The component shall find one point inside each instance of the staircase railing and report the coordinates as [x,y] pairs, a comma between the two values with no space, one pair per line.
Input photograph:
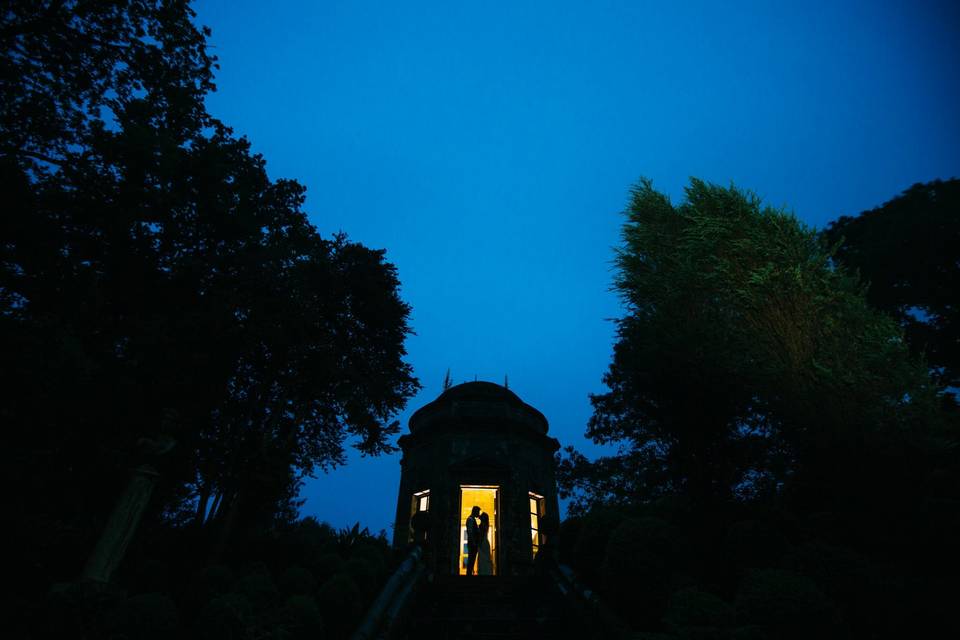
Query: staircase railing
[383,616]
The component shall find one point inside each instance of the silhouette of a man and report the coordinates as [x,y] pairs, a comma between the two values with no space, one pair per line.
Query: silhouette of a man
[473,539]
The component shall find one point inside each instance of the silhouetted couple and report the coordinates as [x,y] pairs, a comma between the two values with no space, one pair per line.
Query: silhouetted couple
[478,546]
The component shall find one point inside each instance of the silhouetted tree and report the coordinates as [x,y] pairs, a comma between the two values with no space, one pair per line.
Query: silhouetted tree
[68,65]
[744,356]
[908,251]
[783,467]
[154,282]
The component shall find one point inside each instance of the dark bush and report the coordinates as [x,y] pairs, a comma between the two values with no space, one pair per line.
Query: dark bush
[259,589]
[636,570]
[589,550]
[339,600]
[689,608]
[570,530]
[326,565]
[146,616]
[297,581]
[304,541]
[364,573]
[754,543]
[784,603]
[75,610]
[374,554]
[224,618]
[207,584]
[749,633]
[302,617]
[151,575]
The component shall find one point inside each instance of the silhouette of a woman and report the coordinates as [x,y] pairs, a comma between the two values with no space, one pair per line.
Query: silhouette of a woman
[484,562]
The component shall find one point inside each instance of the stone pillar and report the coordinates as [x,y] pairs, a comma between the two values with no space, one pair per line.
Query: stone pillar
[121,526]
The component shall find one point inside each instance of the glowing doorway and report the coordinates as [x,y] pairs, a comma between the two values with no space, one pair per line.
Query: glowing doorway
[487,498]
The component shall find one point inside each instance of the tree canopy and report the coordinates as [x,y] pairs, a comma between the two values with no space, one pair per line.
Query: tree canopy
[782,465]
[156,286]
[908,252]
[68,66]
[745,356]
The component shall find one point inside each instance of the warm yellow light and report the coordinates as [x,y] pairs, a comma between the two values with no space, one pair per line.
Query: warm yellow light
[536,510]
[484,497]
[420,502]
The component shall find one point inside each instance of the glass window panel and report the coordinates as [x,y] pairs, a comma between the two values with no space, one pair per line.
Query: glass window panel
[423,503]
[533,521]
[536,537]
[533,505]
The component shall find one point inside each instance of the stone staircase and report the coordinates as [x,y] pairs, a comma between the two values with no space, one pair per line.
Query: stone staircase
[491,607]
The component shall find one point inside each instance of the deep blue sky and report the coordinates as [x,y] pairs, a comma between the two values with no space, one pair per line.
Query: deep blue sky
[490,146]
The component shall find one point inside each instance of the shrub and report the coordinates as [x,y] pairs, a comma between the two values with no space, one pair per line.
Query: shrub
[297,581]
[694,608]
[326,565]
[259,590]
[755,544]
[207,584]
[590,548]
[570,530]
[225,617]
[147,616]
[339,600]
[302,617]
[635,569]
[375,555]
[783,602]
[364,574]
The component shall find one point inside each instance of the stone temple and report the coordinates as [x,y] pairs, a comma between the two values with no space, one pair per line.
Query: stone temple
[478,444]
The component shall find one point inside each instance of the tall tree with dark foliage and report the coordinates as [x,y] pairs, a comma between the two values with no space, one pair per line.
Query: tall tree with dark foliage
[908,252]
[156,286]
[783,467]
[745,355]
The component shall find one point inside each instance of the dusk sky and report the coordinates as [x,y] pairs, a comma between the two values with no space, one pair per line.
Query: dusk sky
[489,147]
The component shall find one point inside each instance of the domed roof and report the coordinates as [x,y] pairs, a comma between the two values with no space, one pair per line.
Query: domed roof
[478,400]
[480,390]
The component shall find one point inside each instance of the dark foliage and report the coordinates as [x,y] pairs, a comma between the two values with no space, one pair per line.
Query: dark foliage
[163,301]
[784,467]
[277,587]
[908,251]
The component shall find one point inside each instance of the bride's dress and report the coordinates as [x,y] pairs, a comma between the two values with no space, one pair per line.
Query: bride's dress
[484,562]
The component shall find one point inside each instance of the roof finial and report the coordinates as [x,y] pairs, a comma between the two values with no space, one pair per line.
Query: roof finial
[447,382]
[506,382]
